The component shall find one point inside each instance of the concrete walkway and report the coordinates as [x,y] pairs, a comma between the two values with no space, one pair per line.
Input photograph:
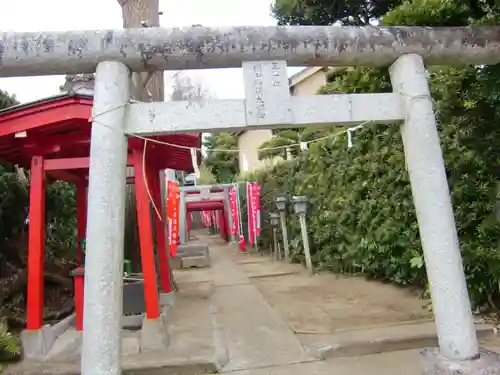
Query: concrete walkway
[263,336]
[256,335]
[248,315]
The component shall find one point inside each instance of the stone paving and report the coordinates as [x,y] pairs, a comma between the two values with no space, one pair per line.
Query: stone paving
[321,324]
[248,315]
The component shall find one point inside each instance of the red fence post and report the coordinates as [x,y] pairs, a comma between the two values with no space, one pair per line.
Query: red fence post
[161,238]
[79,281]
[36,246]
[146,238]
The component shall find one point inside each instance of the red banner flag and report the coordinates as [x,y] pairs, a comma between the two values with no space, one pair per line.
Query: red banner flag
[234,211]
[253,203]
[256,207]
[251,223]
[173,198]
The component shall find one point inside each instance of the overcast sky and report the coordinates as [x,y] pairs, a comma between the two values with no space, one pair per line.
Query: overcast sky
[60,15]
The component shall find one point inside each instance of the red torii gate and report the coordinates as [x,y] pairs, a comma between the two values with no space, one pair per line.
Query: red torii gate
[51,137]
[211,205]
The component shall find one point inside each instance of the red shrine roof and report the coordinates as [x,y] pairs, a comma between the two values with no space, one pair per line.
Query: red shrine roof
[58,127]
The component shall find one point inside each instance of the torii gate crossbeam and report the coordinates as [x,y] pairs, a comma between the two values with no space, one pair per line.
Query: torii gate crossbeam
[263,52]
[150,49]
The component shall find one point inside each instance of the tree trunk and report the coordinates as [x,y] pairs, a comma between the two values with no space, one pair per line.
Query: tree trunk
[17,283]
[135,13]
[145,87]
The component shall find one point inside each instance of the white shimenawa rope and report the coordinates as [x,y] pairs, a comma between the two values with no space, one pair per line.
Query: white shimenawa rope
[301,144]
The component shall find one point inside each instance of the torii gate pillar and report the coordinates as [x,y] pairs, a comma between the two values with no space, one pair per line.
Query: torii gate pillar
[101,348]
[458,348]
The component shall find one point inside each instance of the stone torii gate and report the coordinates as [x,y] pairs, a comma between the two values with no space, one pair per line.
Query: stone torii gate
[200,193]
[113,54]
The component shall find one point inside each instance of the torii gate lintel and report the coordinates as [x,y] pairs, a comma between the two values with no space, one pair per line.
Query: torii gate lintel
[150,49]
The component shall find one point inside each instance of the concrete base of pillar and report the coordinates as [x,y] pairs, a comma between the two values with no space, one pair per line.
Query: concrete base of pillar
[194,255]
[176,262]
[132,321]
[193,248]
[37,344]
[167,299]
[433,363]
[67,347]
[154,335]
[195,261]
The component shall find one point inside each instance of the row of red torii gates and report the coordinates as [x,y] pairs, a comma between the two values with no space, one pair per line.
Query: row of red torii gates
[51,137]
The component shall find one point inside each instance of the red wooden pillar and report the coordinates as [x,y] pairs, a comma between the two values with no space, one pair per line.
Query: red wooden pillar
[223,227]
[79,280]
[36,246]
[146,238]
[161,239]
[225,219]
[220,214]
[81,214]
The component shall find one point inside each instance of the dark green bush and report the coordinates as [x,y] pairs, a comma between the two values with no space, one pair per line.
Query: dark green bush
[362,219]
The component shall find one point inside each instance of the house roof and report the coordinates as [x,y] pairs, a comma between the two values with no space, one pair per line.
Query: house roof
[34,103]
[303,74]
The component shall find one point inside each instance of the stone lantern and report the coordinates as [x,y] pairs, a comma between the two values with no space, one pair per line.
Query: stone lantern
[275,221]
[281,203]
[300,205]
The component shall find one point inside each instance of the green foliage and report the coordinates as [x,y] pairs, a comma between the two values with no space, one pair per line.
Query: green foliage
[12,215]
[223,165]
[279,143]
[7,100]
[9,347]
[443,13]
[60,214]
[288,141]
[206,177]
[429,13]
[13,203]
[329,12]
[62,221]
[14,209]
[362,219]
[8,344]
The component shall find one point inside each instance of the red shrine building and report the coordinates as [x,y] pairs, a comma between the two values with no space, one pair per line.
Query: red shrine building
[51,138]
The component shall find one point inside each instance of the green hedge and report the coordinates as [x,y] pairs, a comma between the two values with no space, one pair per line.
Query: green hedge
[362,219]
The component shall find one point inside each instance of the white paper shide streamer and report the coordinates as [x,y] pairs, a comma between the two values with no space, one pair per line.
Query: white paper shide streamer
[349,138]
[194,160]
[244,161]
